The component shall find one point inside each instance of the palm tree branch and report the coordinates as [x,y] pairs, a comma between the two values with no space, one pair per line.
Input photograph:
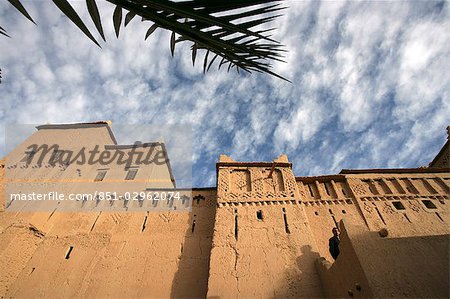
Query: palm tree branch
[222,27]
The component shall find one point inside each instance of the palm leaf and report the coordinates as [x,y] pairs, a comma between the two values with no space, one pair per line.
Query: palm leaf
[225,28]
[117,19]
[151,30]
[172,43]
[215,32]
[130,15]
[194,53]
[3,32]
[68,10]
[95,15]
[19,7]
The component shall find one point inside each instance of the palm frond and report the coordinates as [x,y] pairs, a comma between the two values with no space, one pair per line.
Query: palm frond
[3,32]
[23,11]
[226,28]
[68,10]
[95,15]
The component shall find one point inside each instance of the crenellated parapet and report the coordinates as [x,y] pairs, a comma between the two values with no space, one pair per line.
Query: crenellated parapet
[255,181]
[408,201]
[327,188]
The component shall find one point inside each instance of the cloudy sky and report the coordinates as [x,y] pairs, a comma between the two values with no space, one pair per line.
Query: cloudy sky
[370,85]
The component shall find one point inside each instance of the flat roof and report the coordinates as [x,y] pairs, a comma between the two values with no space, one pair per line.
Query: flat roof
[395,170]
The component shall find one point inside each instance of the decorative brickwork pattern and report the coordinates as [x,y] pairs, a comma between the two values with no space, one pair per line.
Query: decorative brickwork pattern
[240,181]
[414,206]
[358,187]
[223,181]
[257,180]
[290,184]
[367,208]
[388,208]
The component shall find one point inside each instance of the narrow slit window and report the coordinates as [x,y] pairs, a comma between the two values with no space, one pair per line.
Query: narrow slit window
[379,214]
[439,216]
[286,225]
[144,224]
[69,251]
[193,224]
[236,224]
[100,176]
[131,174]
[259,215]
[407,218]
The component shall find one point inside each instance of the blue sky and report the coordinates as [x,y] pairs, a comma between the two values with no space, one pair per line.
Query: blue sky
[370,85]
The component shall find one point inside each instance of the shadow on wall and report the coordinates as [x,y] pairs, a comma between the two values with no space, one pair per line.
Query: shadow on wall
[301,280]
[374,265]
[345,277]
[191,278]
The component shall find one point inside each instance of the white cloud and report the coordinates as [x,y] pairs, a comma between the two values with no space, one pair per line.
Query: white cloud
[370,84]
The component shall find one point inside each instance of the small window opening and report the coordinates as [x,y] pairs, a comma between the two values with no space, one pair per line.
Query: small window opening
[69,251]
[131,174]
[286,225]
[100,176]
[259,215]
[429,204]
[398,205]
[316,213]
[236,224]
[144,224]
[193,225]
[344,212]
